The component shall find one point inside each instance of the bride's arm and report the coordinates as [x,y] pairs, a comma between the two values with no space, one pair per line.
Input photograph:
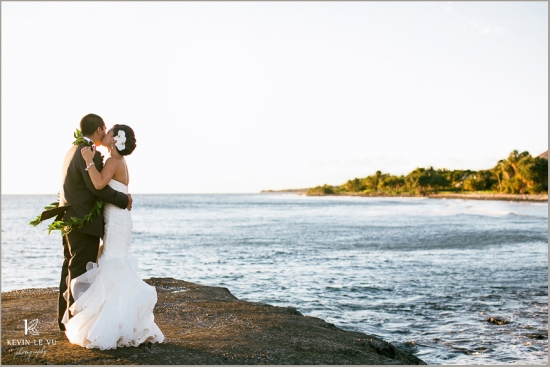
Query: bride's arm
[99,179]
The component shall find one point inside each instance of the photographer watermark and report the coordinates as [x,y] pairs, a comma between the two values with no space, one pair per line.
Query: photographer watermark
[25,345]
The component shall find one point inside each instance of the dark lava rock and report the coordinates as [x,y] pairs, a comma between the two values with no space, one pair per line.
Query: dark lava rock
[540,335]
[497,320]
[201,325]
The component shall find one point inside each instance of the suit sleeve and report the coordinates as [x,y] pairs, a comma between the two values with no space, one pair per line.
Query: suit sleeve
[107,193]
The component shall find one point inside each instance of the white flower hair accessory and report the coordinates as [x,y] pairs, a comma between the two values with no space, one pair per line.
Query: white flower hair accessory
[120,140]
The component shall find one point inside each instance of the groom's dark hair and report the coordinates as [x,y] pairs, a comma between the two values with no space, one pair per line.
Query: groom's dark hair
[90,123]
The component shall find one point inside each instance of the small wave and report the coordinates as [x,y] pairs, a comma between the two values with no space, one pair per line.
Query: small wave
[357,289]
[485,211]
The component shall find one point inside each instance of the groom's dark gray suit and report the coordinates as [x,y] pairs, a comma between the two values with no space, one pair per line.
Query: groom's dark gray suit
[81,245]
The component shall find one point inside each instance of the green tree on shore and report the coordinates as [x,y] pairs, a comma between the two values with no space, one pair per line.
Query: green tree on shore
[354,185]
[521,173]
[421,180]
[320,190]
[518,174]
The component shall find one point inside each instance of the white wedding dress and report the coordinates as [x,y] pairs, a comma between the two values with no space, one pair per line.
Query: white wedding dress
[113,306]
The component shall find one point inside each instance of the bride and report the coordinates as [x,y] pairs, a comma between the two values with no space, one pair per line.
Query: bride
[113,306]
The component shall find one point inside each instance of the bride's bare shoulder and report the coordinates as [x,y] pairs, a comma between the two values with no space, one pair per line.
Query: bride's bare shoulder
[118,166]
[114,162]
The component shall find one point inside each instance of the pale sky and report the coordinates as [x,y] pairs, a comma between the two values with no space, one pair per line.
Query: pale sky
[235,97]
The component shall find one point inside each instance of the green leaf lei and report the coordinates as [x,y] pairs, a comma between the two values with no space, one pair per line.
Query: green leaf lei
[80,138]
[73,222]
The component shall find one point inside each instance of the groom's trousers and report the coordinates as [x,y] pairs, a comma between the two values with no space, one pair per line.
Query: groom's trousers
[78,249]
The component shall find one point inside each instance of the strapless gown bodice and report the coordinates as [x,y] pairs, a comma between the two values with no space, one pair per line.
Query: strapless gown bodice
[118,186]
[118,227]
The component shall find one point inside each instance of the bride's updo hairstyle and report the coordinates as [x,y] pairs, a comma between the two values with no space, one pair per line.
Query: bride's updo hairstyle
[130,144]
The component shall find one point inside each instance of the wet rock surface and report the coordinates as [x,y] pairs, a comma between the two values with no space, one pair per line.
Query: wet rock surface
[497,320]
[201,325]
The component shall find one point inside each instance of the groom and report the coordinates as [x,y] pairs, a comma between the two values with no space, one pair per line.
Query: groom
[78,193]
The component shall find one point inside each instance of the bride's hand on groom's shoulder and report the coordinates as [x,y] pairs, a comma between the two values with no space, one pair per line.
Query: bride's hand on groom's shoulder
[88,153]
[129,207]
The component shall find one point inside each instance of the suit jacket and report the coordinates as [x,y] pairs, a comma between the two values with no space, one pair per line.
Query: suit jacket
[79,194]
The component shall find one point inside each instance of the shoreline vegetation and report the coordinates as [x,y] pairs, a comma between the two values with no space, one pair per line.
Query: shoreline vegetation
[520,177]
[202,325]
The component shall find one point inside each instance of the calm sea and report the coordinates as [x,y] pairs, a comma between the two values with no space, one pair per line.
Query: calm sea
[423,274]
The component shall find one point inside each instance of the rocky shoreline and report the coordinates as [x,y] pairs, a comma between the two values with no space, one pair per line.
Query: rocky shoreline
[505,197]
[469,196]
[201,325]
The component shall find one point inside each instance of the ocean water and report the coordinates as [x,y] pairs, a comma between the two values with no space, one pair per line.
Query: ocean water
[423,274]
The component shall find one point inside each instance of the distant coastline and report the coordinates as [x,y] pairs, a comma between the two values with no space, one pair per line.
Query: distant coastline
[468,196]
[520,177]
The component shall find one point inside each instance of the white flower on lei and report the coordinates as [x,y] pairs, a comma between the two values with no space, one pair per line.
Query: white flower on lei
[120,140]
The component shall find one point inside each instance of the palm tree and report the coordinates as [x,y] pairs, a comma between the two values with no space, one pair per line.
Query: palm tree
[514,159]
[503,170]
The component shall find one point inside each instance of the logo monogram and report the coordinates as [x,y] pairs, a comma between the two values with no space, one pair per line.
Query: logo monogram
[31,327]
